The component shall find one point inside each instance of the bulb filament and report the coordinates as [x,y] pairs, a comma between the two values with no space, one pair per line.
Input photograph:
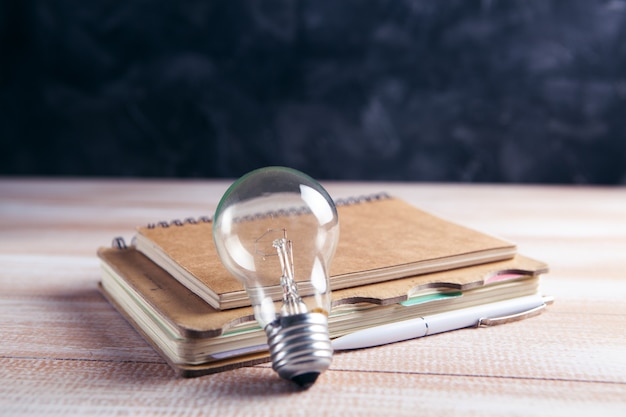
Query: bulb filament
[292,302]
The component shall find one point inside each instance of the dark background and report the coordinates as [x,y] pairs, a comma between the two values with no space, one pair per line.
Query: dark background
[486,91]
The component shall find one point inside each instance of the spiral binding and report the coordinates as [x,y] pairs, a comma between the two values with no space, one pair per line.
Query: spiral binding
[349,201]
[362,199]
[119,243]
[178,222]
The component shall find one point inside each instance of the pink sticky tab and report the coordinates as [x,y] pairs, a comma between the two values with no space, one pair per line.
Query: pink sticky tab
[505,276]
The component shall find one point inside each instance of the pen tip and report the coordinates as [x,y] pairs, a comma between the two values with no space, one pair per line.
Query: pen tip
[305,380]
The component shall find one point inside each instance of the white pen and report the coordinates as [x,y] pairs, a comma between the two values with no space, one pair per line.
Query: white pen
[492,313]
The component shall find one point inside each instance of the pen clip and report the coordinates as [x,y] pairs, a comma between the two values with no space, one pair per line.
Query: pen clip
[489,322]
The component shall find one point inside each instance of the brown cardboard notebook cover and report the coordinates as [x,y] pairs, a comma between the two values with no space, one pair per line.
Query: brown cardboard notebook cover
[380,240]
[189,370]
[189,333]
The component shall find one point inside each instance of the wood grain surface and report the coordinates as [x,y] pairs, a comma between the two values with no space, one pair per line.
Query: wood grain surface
[65,351]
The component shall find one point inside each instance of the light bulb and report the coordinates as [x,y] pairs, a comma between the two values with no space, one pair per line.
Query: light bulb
[276,230]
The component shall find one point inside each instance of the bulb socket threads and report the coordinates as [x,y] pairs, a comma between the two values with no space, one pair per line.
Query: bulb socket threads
[300,347]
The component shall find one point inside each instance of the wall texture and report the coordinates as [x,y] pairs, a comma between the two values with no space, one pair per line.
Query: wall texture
[451,90]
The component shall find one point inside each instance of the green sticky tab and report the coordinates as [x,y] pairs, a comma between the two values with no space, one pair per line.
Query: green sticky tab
[430,297]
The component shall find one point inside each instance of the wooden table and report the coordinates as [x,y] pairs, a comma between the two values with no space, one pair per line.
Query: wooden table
[65,351]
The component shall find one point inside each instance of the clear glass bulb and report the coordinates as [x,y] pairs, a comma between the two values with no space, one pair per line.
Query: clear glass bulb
[276,230]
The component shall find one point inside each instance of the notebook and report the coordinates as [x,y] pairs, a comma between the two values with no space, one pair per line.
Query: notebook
[381,238]
[197,339]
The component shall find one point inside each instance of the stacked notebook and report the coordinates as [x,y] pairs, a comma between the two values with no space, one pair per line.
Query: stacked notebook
[393,262]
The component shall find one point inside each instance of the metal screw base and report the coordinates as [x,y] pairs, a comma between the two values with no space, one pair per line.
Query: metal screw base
[300,347]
